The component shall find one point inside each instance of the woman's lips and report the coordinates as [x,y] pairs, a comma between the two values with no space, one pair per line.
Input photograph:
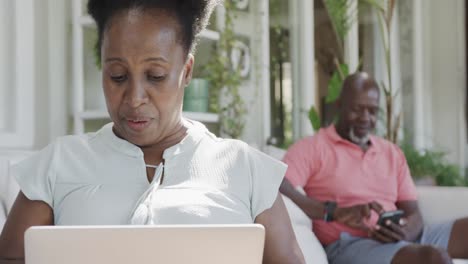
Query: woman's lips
[138,124]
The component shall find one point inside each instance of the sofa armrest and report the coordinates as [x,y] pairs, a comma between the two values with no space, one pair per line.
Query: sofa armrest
[2,217]
[302,225]
[8,190]
[440,204]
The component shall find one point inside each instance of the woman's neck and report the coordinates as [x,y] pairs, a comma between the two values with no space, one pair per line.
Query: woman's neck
[153,153]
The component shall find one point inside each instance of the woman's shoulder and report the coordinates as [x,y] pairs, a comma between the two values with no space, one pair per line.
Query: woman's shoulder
[74,145]
[75,141]
[225,144]
[213,141]
[239,149]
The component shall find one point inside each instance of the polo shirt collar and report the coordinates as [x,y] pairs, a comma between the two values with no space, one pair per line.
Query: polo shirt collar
[336,138]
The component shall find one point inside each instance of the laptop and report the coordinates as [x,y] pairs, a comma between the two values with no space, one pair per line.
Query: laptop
[178,244]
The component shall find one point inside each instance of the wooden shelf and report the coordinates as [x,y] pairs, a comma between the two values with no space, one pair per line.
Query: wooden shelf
[210,35]
[87,21]
[200,117]
[94,115]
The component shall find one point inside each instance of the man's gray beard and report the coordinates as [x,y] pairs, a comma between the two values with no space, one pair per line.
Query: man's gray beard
[357,140]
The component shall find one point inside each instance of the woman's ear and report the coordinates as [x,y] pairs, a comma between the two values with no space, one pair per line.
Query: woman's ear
[188,69]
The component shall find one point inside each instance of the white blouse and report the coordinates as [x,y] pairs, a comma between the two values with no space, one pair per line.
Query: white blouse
[100,179]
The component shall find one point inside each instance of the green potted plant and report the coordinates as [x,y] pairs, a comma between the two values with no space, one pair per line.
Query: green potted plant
[430,168]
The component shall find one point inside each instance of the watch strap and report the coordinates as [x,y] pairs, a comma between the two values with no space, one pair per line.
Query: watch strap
[329,209]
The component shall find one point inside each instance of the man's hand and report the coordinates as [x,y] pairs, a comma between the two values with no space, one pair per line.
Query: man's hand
[390,232]
[354,216]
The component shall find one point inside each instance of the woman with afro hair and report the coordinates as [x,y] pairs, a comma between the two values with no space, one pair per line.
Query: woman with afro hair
[150,165]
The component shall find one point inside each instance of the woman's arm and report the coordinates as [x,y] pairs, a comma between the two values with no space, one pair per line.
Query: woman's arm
[280,242]
[24,214]
[314,209]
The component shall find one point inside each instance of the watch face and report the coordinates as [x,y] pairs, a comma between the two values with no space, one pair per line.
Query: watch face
[329,210]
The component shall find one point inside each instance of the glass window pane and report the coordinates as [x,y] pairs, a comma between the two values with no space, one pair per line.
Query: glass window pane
[281,81]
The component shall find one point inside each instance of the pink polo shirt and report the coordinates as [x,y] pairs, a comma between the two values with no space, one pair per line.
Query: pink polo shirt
[329,167]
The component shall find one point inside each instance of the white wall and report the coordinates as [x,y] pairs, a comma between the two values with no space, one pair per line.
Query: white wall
[52,24]
[445,71]
[6,82]
[42,78]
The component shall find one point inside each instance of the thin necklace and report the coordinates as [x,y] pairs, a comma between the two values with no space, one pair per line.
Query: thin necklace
[152,166]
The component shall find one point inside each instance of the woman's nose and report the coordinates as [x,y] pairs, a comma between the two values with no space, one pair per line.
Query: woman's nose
[136,94]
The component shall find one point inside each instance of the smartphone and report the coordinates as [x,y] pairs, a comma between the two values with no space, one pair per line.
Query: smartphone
[393,216]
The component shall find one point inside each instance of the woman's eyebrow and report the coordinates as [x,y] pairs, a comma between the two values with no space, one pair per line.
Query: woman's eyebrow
[156,59]
[151,59]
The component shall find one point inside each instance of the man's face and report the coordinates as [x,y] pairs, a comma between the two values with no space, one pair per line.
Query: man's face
[359,114]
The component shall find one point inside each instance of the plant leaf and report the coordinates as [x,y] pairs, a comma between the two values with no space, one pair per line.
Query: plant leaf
[340,16]
[314,118]
[336,83]
[378,4]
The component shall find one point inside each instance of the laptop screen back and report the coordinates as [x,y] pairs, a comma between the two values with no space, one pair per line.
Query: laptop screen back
[212,244]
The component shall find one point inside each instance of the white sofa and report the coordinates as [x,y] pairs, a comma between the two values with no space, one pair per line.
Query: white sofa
[8,191]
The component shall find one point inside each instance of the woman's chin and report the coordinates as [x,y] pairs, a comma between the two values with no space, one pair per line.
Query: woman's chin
[139,141]
[137,134]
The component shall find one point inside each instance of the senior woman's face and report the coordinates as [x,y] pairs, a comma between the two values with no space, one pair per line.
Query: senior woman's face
[145,71]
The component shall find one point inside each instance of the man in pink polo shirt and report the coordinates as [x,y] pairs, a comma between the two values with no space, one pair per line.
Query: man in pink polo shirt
[351,176]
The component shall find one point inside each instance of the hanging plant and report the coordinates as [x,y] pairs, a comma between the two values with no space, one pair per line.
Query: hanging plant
[226,80]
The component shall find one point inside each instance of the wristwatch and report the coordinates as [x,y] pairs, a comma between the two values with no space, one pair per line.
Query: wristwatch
[329,209]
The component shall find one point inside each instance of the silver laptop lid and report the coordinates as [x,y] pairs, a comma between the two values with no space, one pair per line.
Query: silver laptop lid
[199,244]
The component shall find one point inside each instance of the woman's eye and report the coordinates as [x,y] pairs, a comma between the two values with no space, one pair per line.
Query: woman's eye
[118,78]
[156,78]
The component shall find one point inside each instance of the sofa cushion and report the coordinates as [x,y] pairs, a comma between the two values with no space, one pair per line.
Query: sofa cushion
[440,204]
[8,187]
[2,216]
[302,226]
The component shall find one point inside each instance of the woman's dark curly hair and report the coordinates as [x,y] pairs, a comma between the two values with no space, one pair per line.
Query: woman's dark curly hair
[192,15]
